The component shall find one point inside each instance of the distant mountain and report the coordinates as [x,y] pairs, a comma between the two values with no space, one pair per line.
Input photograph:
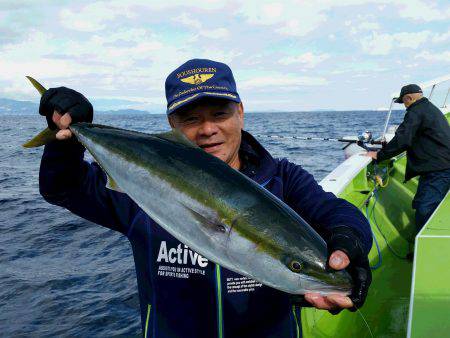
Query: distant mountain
[124,111]
[8,106]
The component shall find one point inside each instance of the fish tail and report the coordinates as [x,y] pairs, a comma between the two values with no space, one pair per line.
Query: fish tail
[46,135]
[40,88]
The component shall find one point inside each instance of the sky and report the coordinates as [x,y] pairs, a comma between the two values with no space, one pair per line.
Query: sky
[285,55]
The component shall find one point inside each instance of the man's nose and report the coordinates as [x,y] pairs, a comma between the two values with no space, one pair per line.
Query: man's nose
[208,128]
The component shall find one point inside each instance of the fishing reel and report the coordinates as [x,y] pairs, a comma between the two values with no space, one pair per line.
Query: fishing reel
[366,141]
[365,137]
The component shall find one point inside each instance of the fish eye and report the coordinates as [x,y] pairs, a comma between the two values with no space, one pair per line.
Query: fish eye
[221,228]
[295,266]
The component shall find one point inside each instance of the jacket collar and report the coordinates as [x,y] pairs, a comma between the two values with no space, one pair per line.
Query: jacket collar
[258,164]
[419,101]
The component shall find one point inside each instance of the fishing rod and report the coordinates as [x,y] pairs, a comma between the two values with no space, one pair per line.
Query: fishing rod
[308,138]
[363,140]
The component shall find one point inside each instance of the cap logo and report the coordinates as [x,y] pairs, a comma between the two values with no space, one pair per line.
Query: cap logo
[197,78]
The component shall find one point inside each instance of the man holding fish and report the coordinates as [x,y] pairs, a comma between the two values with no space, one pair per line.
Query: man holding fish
[216,254]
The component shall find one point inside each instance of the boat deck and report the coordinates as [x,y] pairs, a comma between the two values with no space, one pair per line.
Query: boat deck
[409,295]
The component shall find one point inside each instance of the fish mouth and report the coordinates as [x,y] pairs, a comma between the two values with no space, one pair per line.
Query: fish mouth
[324,288]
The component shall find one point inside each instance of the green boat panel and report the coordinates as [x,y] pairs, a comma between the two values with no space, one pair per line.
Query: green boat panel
[380,192]
[430,295]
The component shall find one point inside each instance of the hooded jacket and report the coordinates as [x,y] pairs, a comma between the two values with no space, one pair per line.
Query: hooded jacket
[181,293]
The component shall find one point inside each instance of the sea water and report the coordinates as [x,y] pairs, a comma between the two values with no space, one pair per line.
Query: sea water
[61,275]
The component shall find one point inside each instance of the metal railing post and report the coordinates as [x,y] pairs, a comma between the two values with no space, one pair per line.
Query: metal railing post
[383,136]
[431,92]
[445,100]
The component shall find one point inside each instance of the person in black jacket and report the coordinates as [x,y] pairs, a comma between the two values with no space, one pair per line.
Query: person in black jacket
[183,294]
[425,136]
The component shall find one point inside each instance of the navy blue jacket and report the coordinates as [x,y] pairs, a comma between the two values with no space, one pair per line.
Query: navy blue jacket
[182,294]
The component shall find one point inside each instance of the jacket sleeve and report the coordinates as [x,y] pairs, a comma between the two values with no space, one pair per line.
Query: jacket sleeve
[65,179]
[404,136]
[322,210]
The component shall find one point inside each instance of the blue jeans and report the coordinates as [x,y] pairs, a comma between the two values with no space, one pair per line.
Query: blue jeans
[431,191]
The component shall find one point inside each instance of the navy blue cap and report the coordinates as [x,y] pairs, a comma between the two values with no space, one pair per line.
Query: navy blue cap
[199,78]
[408,89]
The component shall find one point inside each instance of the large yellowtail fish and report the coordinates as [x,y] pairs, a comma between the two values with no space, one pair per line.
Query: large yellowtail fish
[212,208]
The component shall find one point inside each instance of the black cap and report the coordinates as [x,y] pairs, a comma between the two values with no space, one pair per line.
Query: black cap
[408,89]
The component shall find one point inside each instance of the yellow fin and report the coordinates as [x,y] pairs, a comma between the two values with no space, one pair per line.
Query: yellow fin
[44,137]
[40,88]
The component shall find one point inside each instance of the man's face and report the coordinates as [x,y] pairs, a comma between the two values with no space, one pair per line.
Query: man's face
[215,126]
[407,100]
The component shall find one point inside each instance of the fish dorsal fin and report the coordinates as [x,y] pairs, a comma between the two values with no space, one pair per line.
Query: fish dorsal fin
[111,184]
[176,136]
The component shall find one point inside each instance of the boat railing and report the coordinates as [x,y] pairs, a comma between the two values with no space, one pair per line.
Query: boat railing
[433,84]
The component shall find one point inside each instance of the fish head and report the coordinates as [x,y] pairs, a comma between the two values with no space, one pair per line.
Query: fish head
[309,272]
[290,257]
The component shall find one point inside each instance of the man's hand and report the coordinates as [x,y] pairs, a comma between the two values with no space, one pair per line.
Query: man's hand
[372,154]
[62,122]
[338,261]
[346,252]
[61,106]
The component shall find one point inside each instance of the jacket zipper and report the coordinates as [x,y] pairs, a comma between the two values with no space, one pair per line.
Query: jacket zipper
[149,309]
[219,302]
[297,327]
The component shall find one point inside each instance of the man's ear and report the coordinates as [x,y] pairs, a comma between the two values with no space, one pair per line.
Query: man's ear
[241,114]
[170,119]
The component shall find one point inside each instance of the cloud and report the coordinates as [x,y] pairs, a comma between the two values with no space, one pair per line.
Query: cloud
[293,18]
[421,11]
[262,13]
[188,21]
[369,26]
[308,60]
[377,44]
[218,33]
[195,24]
[361,23]
[226,56]
[92,17]
[382,44]
[438,38]
[435,57]
[289,82]
[299,18]
[125,49]
[302,26]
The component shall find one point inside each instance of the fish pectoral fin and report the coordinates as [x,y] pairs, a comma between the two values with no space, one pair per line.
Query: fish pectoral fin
[210,224]
[44,137]
[176,136]
[111,184]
